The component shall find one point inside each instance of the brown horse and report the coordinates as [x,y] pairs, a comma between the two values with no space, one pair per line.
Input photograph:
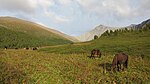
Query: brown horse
[120,58]
[95,52]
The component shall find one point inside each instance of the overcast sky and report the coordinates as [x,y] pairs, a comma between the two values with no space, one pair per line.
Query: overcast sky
[75,17]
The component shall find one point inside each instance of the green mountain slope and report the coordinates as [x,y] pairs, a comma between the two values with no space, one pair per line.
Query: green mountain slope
[20,33]
[134,42]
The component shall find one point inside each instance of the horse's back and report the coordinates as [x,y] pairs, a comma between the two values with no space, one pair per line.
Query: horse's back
[122,57]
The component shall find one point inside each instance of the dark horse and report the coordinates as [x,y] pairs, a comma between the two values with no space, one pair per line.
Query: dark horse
[95,52]
[120,58]
[35,48]
[5,47]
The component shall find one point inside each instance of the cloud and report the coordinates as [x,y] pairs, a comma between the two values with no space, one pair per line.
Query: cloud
[78,15]
[57,12]
[57,18]
[105,7]
[65,2]
[25,6]
[117,8]
[45,4]
[144,8]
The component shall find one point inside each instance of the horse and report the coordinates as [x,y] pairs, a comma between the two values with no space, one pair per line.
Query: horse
[5,47]
[16,48]
[26,48]
[120,58]
[96,52]
[35,48]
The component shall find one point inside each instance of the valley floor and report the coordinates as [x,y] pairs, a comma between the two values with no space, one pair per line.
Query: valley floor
[37,67]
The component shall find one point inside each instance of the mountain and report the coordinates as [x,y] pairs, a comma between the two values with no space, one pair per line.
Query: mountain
[96,31]
[15,32]
[141,25]
[99,30]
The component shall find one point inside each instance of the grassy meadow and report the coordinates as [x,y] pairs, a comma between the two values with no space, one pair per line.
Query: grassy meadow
[70,63]
[34,67]
[134,43]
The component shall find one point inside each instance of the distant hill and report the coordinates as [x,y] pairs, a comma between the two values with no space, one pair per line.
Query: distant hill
[99,30]
[15,32]
[133,42]
[96,31]
[139,26]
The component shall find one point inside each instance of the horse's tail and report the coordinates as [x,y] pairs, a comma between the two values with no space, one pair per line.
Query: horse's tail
[92,52]
[126,62]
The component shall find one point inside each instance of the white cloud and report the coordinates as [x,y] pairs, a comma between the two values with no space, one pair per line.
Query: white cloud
[118,8]
[77,14]
[57,18]
[46,3]
[65,2]
[25,6]
[144,8]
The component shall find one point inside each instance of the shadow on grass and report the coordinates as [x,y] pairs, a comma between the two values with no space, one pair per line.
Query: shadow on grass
[92,57]
[106,66]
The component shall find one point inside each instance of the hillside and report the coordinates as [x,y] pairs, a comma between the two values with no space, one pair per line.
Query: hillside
[139,26]
[20,33]
[134,42]
[99,30]
[71,38]
[70,63]
[96,31]
[67,64]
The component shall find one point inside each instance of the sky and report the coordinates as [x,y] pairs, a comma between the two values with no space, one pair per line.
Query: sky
[75,17]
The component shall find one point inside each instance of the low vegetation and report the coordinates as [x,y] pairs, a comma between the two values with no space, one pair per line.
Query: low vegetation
[16,33]
[26,66]
[134,43]
[70,63]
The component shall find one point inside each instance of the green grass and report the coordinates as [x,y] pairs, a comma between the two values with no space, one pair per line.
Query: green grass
[69,63]
[133,43]
[63,64]
[26,66]
[19,33]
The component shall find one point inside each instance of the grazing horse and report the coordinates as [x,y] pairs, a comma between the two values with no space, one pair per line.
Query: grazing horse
[26,48]
[96,52]
[5,47]
[120,58]
[35,48]
[16,48]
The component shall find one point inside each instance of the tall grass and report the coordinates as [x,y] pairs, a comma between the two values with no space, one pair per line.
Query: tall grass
[26,66]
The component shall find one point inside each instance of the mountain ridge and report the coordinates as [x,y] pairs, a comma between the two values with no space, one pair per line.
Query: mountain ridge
[71,38]
[19,33]
[99,30]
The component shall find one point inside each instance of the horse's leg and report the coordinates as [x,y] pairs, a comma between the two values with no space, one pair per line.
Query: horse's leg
[118,66]
[100,55]
[92,55]
[126,64]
